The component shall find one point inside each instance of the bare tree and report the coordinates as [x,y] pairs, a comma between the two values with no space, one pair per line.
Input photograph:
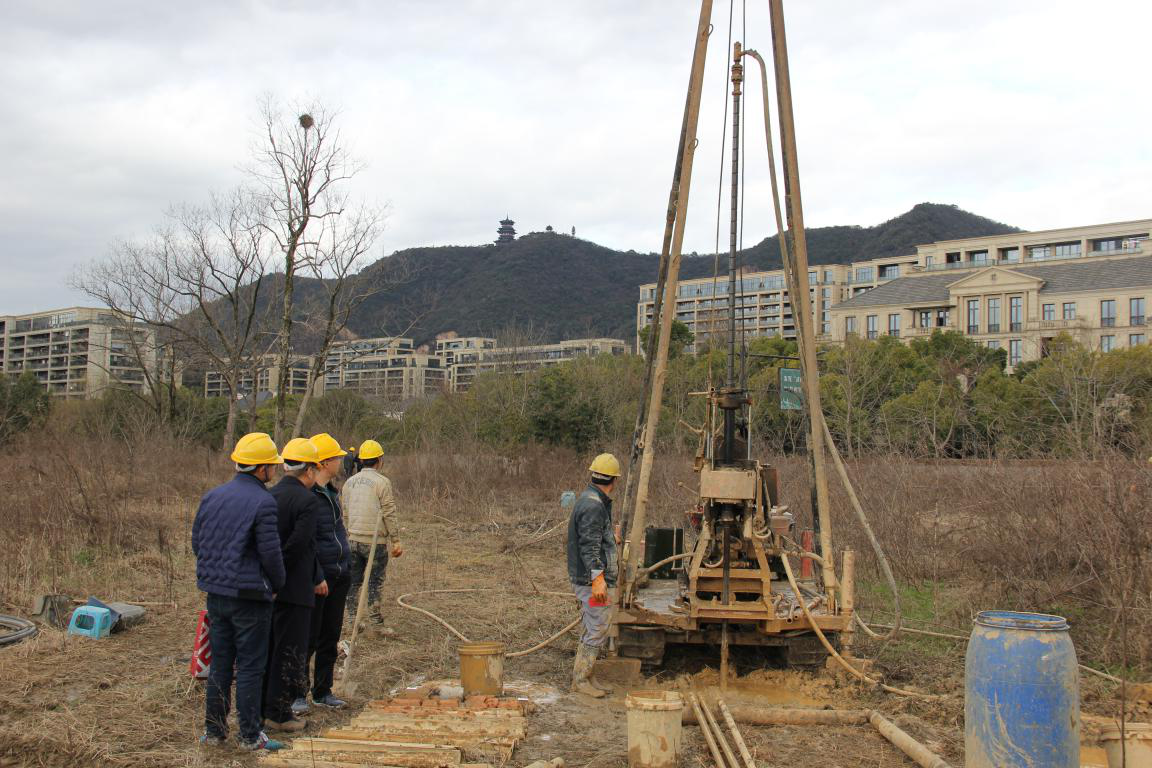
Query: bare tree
[301,164]
[334,261]
[197,282]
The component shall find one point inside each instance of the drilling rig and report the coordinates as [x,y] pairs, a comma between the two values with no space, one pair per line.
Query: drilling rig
[735,584]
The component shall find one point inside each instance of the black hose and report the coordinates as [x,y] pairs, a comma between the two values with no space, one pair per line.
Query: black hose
[20,630]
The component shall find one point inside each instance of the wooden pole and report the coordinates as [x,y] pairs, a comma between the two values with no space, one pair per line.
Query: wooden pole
[631,549]
[801,304]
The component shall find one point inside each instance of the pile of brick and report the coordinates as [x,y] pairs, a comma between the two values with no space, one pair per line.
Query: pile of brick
[416,729]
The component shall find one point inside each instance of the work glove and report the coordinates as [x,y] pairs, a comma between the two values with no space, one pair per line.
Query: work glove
[397,549]
[599,589]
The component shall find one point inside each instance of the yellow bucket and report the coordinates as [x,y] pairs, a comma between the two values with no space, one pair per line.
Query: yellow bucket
[482,668]
[654,728]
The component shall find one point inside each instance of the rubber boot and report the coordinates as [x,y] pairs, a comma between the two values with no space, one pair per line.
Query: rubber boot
[582,672]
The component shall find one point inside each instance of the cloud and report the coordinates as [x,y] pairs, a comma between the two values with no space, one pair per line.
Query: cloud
[559,113]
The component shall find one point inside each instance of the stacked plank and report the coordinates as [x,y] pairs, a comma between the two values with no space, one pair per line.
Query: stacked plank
[415,730]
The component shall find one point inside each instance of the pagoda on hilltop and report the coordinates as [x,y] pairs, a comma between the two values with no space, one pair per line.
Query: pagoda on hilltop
[506,232]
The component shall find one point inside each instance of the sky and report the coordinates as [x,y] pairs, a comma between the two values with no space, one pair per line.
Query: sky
[562,113]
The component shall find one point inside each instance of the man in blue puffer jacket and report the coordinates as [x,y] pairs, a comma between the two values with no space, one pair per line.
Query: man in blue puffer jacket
[240,566]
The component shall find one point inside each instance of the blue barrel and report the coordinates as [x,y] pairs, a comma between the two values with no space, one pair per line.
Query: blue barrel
[1022,693]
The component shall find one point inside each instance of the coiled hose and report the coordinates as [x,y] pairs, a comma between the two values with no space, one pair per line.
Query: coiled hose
[19,630]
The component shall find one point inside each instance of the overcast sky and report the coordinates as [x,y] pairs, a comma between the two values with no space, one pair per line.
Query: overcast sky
[561,112]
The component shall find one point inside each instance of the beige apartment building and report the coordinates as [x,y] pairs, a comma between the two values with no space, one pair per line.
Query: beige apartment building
[262,378]
[910,295]
[389,368]
[78,352]
[462,356]
[529,357]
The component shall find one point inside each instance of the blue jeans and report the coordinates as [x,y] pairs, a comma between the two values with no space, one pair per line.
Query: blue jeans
[239,634]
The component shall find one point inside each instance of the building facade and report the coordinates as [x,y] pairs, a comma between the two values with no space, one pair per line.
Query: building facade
[519,359]
[79,352]
[262,377]
[388,368]
[912,294]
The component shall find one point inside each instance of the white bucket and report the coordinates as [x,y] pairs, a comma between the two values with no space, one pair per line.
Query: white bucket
[1137,741]
[654,728]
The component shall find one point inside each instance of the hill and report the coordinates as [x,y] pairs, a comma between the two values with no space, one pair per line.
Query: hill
[563,287]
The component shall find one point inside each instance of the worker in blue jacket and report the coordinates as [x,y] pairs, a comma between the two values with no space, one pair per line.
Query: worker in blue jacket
[240,567]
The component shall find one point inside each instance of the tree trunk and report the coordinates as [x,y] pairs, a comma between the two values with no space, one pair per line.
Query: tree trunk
[314,372]
[285,345]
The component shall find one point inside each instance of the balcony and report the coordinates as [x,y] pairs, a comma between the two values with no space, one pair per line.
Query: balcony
[993,327]
[1137,320]
[1107,322]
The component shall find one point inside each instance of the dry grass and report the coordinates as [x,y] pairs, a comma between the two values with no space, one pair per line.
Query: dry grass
[99,519]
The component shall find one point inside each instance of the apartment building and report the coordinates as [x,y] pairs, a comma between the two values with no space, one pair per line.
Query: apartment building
[78,352]
[1018,292]
[531,357]
[261,378]
[389,368]
[461,356]
[763,306]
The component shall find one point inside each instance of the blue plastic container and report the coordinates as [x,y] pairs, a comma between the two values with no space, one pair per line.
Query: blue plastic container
[90,621]
[1022,693]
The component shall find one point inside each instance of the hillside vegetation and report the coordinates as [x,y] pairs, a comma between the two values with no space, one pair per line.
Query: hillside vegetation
[564,287]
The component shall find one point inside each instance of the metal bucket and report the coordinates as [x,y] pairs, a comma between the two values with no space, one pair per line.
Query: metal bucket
[654,728]
[1137,746]
[482,668]
[1022,693]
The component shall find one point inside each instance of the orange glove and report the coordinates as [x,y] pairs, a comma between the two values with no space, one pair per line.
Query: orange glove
[599,589]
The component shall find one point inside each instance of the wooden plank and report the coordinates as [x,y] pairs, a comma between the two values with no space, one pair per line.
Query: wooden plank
[372,720]
[456,739]
[328,760]
[405,753]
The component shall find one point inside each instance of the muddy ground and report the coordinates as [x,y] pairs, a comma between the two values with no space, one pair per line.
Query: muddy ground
[128,700]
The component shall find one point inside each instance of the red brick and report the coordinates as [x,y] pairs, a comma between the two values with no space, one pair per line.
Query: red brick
[509,704]
[449,703]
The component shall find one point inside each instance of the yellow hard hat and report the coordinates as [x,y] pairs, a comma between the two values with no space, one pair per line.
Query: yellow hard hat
[605,464]
[256,448]
[301,450]
[370,449]
[327,446]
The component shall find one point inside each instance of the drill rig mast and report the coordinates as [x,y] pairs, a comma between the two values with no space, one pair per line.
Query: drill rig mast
[734,586]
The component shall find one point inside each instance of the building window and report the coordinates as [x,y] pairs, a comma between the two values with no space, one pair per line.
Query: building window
[952,258]
[872,321]
[1066,250]
[1136,311]
[993,315]
[994,344]
[1039,252]
[978,257]
[1014,356]
[865,274]
[1069,310]
[1048,312]
[973,316]
[1016,313]
[894,325]
[1107,342]
[1136,339]
[1010,254]
[889,271]
[925,318]
[1108,313]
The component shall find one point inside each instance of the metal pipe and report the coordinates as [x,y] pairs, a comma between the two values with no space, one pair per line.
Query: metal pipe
[631,554]
[737,79]
[702,721]
[720,738]
[736,735]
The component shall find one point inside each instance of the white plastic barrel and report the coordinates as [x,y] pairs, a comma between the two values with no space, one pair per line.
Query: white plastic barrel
[654,728]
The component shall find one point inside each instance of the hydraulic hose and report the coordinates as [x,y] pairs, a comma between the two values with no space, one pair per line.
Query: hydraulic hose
[836,654]
[464,639]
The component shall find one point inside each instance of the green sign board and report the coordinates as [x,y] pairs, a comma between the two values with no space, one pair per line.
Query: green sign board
[791,389]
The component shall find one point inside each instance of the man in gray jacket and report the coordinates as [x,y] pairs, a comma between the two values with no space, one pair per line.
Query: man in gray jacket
[592,568]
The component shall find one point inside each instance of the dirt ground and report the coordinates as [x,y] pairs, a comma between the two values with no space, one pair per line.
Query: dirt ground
[128,700]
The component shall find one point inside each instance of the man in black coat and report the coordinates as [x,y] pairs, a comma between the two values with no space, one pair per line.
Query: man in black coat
[297,507]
